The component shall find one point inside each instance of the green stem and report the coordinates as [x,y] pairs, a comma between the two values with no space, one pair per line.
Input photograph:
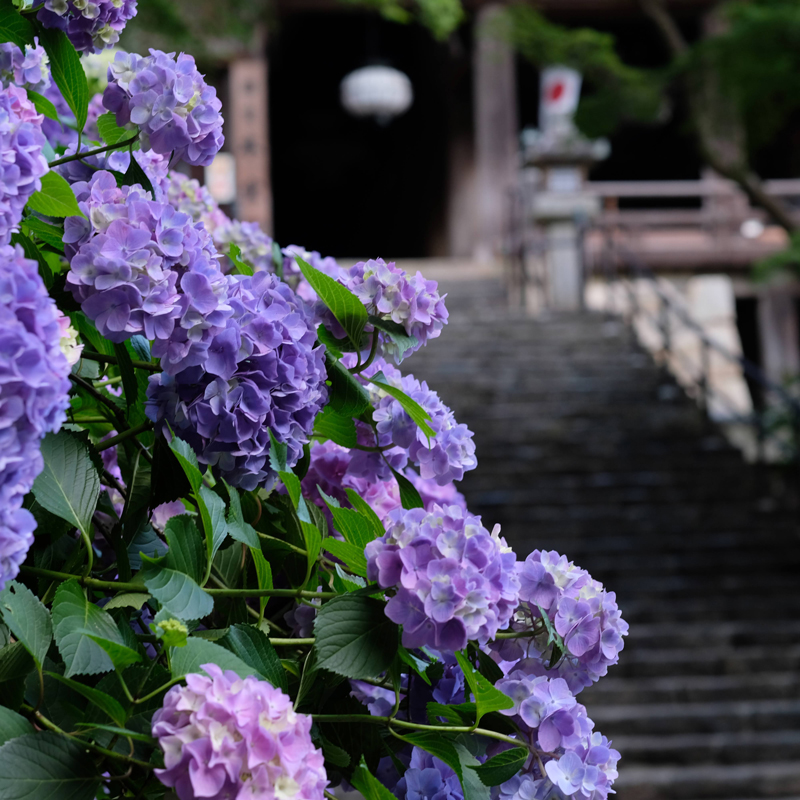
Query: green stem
[124,685]
[270,593]
[89,552]
[101,398]
[104,359]
[109,381]
[121,437]
[286,544]
[158,691]
[87,153]
[526,634]
[91,420]
[290,642]
[370,358]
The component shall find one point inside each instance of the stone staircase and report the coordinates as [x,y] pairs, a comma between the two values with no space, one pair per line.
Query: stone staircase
[586,447]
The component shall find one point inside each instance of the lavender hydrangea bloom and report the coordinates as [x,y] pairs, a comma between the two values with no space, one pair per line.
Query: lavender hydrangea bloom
[33,396]
[428,778]
[588,771]
[223,736]
[191,197]
[176,111]
[583,613]
[22,163]
[455,581]
[90,26]
[263,373]
[28,69]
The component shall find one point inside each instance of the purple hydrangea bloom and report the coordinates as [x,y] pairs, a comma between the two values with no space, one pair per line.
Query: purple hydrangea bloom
[223,737]
[455,581]
[176,111]
[263,373]
[91,26]
[28,69]
[22,163]
[33,396]
[380,702]
[584,614]
[191,197]
[428,778]
[588,771]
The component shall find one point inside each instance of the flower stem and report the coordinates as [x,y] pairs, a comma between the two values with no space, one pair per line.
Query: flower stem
[102,358]
[97,151]
[121,437]
[370,358]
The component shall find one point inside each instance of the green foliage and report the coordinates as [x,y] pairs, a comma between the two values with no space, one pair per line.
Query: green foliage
[254,648]
[441,17]
[27,618]
[199,651]
[55,198]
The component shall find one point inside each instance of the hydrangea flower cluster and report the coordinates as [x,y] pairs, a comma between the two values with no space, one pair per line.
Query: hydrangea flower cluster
[191,197]
[583,613]
[175,109]
[224,737]
[22,163]
[428,778]
[455,581]
[28,69]
[90,24]
[33,396]
[579,762]
[450,452]
[263,372]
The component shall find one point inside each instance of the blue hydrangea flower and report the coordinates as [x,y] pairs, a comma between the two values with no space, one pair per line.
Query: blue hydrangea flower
[175,109]
[33,395]
[27,69]
[454,580]
[428,778]
[22,163]
[91,25]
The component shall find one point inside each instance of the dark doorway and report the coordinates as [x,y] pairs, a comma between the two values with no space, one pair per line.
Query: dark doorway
[747,323]
[345,186]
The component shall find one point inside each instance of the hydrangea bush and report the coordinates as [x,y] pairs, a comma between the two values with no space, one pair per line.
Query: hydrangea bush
[234,563]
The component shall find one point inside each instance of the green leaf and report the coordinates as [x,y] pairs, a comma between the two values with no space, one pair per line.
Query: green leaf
[352,556]
[263,575]
[75,619]
[14,27]
[348,397]
[126,732]
[188,460]
[177,592]
[32,252]
[417,664]
[109,131]
[136,175]
[198,652]
[48,233]
[67,72]
[12,725]
[105,702]
[55,198]
[334,754]
[69,485]
[186,552]
[43,105]
[409,496]
[134,600]
[354,638]
[369,786]
[487,697]
[473,787]
[239,529]
[141,347]
[46,766]
[502,767]
[364,508]
[348,310]
[456,714]
[356,529]
[215,526]
[334,346]
[239,265]
[396,332]
[27,618]
[414,410]
[313,542]
[121,656]
[129,384]
[329,424]
[278,452]
[295,492]
[436,743]
[254,648]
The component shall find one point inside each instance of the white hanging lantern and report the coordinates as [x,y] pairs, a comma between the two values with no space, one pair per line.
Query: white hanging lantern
[380,92]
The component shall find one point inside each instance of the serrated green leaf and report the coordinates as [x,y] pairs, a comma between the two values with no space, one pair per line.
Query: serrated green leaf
[186,551]
[46,766]
[74,620]
[313,542]
[55,198]
[329,424]
[278,452]
[126,732]
[27,618]
[109,131]
[32,252]
[364,508]
[369,786]
[12,725]
[198,652]
[67,72]
[417,664]
[353,557]
[188,461]
[48,233]
[487,697]
[14,27]
[121,656]
[354,638]
[134,600]
[414,410]
[125,364]
[107,704]
[347,396]
[409,496]
[334,754]
[263,575]
[69,485]
[240,266]
[136,175]
[456,714]
[397,333]
[254,648]
[43,105]
[356,529]
[177,592]
[141,347]
[348,310]
[212,512]
[334,346]
[502,767]
[239,529]
[473,787]
[437,744]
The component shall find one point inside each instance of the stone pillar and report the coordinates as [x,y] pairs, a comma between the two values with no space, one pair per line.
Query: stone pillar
[249,139]
[778,324]
[496,131]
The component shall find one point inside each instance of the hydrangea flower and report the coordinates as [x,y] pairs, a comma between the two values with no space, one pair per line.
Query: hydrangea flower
[454,580]
[22,163]
[176,111]
[33,396]
[27,69]
[263,372]
[588,771]
[90,24]
[584,614]
[223,737]
[191,197]
[428,778]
